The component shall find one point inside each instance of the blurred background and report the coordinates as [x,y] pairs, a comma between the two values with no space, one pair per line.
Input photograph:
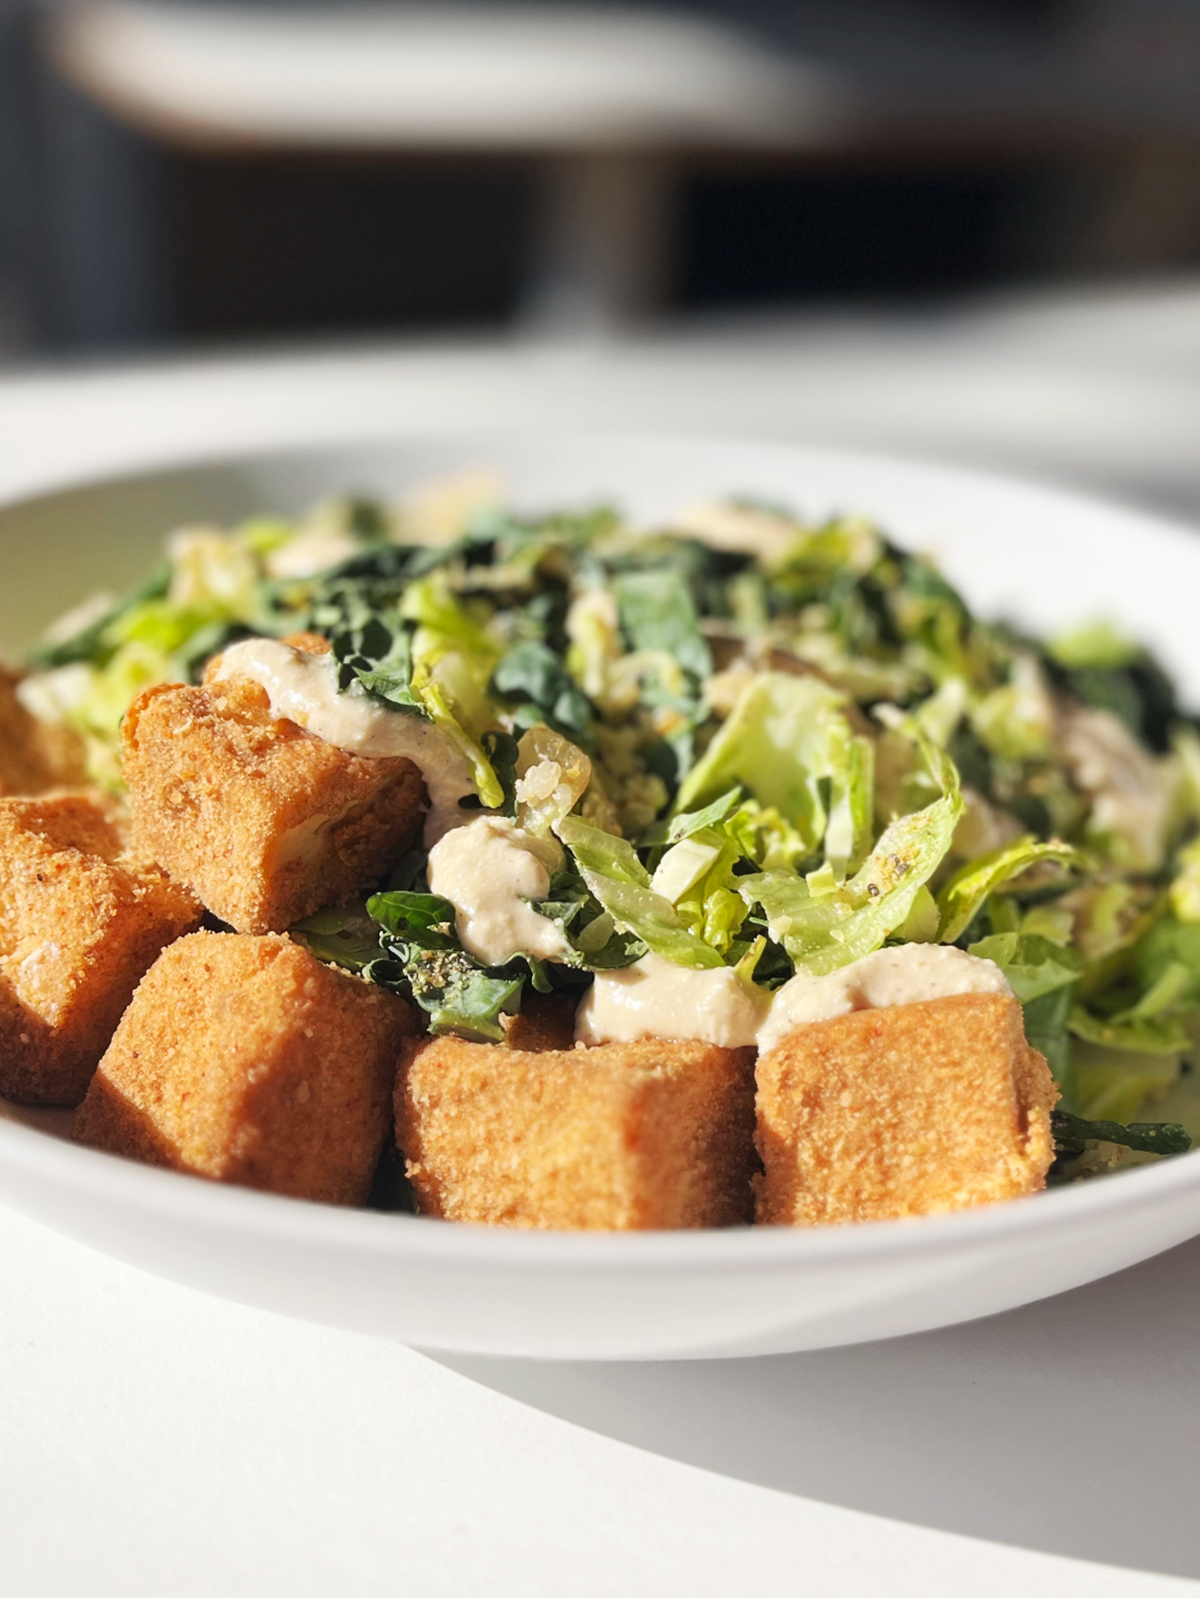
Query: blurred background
[966,228]
[176,172]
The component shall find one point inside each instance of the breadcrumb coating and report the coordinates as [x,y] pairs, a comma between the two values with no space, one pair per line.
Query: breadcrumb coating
[544,1022]
[244,1058]
[34,755]
[902,1111]
[264,821]
[656,1134]
[80,922]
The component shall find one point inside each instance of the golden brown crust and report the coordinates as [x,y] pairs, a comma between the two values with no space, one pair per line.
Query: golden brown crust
[80,922]
[649,1135]
[247,1060]
[265,822]
[34,756]
[901,1112]
[544,1022]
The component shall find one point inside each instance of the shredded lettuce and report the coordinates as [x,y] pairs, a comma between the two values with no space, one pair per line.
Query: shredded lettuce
[1159,982]
[1116,1084]
[452,660]
[967,891]
[613,873]
[824,926]
[788,742]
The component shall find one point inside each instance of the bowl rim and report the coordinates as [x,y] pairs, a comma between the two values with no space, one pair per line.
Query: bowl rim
[42,1155]
[225,1207]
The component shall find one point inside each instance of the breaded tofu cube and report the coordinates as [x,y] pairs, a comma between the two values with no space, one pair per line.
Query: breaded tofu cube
[244,1058]
[34,755]
[80,922]
[902,1111]
[657,1134]
[264,821]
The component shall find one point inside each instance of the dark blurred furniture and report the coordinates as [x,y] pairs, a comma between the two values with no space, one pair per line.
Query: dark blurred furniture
[213,170]
[561,125]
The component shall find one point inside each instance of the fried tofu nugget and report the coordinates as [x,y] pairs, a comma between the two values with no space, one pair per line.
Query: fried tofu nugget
[34,755]
[902,1111]
[80,922]
[264,821]
[244,1058]
[657,1134]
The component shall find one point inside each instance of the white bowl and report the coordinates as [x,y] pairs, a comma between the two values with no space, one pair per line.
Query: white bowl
[1038,555]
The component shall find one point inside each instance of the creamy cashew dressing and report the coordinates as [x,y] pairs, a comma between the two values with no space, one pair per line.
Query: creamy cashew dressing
[900,976]
[304,689]
[488,870]
[653,999]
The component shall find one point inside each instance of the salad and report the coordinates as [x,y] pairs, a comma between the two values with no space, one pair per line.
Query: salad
[740,745]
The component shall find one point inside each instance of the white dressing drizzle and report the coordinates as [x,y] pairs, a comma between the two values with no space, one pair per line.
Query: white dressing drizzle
[654,999]
[304,688]
[488,870]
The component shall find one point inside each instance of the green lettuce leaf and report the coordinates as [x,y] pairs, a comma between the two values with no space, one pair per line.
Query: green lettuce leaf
[613,873]
[90,642]
[787,741]
[453,658]
[964,895]
[682,826]
[1149,1036]
[823,928]
[1043,976]
[1161,1016]
[345,935]
[1116,1084]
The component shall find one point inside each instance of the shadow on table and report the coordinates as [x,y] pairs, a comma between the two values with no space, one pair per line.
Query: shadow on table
[1072,1426]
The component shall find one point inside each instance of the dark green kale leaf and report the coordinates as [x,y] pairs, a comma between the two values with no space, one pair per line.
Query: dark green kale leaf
[370,648]
[596,944]
[533,676]
[426,960]
[706,570]
[461,996]
[426,919]
[658,613]
[1072,1135]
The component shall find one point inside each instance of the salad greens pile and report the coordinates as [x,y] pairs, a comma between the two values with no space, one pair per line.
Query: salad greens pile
[758,744]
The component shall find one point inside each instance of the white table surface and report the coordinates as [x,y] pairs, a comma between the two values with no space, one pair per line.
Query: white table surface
[154,1440]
